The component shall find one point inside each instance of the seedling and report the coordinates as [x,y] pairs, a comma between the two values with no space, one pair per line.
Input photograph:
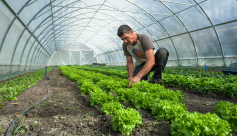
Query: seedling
[34,123]
[40,105]
[155,123]
[65,108]
[1,129]
[21,129]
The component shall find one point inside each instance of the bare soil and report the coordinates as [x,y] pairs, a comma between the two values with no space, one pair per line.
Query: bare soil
[67,112]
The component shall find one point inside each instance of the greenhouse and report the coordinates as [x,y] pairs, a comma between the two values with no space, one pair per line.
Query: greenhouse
[118,67]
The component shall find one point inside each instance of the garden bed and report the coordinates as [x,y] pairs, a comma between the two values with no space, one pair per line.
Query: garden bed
[67,112]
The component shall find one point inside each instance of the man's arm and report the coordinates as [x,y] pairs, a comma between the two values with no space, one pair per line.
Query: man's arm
[147,67]
[130,67]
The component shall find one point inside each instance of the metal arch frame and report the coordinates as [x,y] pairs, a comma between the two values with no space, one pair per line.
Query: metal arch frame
[97,23]
[65,20]
[162,27]
[12,21]
[40,55]
[84,44]
[110,36]
[212,26]
[185,28]
[113,16]
[93,16]
[106,43]
[28,54]
[39,34]
[49,24]
[31,35]
[110,56]
[101,55]
[32,55]
[79,20]
[123,21]
[145,27]
[56,20]
[52,22]
[64,15]
[37,62]
[215,32]
[14,51]
[17,16]
[56,37]
[117,10]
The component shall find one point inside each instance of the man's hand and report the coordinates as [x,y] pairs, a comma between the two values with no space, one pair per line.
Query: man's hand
[134,80]
[130,78]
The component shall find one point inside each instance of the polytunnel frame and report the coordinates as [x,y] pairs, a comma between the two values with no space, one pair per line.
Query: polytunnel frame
[25,27]
[74,11]
[75,21]
[91,19]
[213,26]
[195,30]
[144,27]
[37,36]
[124,22]
[175,14]
[79,20]
[188,32]
[46,28]
[54,21]
[35,40]
[29,36]
[16,16]
[107,14]
[67,25]
[206,16]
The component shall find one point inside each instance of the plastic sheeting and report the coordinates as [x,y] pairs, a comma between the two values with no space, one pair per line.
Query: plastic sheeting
[35,33]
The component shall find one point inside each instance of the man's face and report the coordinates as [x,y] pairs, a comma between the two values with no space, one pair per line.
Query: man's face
[128,38]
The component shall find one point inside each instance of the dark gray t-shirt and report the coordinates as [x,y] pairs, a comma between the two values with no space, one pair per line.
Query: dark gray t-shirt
[144,43]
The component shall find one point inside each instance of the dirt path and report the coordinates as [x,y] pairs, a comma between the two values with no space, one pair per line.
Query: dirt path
[66,112]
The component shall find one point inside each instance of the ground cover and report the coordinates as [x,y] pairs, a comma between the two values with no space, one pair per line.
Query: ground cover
[67,112]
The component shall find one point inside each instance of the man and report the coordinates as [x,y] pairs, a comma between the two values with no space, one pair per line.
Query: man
[141,47]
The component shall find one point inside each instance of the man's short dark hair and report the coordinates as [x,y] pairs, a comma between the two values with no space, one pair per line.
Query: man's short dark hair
[123,29]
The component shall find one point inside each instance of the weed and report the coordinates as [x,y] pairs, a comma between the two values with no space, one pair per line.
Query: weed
[34,123]
[2,130]
[65,108]
[40,105]
[21,129]
[155,123]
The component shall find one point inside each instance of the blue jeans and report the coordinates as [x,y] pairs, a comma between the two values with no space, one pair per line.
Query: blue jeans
[161,57]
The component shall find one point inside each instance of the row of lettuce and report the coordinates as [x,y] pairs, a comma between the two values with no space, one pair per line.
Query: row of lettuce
[197,72]
[9,90]
[203,84]
[164,104]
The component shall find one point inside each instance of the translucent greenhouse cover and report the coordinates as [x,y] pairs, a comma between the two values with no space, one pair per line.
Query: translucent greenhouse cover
[39,33]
